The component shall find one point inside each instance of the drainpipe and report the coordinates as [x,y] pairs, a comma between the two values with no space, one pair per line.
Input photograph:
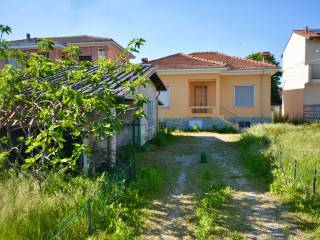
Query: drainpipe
[262,94]
[157,112]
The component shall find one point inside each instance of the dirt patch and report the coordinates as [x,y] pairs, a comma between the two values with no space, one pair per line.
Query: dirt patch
[255,213]
[170,215]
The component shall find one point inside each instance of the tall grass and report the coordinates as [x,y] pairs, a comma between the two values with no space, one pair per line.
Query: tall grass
[209,213]
[269,152]
[57,207]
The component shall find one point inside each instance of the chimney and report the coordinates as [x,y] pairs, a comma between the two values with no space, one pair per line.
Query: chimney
[28,36]
[265,57]
[144,60]
[306,30]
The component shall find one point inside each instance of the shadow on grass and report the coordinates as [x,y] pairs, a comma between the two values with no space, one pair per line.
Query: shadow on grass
[251,149]
[231,217]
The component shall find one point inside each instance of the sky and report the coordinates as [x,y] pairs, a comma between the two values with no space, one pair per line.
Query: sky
[234,27]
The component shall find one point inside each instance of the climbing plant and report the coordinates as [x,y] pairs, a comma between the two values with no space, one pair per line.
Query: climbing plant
[43,103]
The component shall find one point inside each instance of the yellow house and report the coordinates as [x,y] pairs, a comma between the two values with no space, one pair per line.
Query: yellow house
[211,88]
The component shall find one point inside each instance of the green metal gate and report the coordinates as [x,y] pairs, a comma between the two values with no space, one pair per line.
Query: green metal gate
[136,133]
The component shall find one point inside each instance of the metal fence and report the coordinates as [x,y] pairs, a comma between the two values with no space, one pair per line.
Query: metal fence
[120,175]
[306,178]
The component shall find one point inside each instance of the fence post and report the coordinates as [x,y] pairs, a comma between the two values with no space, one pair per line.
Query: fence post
[314,181]
[90,217]
[295,169]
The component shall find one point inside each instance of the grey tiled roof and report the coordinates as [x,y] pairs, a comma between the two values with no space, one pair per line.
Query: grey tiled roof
[67,40]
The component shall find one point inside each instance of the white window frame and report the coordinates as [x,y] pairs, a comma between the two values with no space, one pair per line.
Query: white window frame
[254,96]
[99,53]
[169,97]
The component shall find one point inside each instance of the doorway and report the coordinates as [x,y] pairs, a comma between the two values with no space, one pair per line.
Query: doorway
[200,98]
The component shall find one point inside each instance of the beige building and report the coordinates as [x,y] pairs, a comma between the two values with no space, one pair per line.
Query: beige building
[301,75]
[211,88]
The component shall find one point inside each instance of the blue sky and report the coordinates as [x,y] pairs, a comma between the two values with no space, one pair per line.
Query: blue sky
[236,27]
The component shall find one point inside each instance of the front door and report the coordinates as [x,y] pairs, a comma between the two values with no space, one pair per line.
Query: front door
[200,98]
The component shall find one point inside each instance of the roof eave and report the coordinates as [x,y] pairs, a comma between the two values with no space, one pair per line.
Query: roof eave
[191,70]
[63,44]
[223,71]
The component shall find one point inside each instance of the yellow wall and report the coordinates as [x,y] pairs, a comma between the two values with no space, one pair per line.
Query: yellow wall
[180,94]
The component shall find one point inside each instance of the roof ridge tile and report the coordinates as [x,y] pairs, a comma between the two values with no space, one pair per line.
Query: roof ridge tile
[206,60]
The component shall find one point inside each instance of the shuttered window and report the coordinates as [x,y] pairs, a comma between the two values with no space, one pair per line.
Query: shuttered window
[244,96]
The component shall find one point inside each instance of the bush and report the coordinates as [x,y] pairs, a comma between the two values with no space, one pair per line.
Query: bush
[277,117]
[161,138]
[195,128]
[203,157]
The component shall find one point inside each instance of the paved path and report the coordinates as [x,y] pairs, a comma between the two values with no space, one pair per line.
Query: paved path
[255,214]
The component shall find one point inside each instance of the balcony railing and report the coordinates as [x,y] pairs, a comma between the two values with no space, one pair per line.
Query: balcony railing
[202,111]
[311,112]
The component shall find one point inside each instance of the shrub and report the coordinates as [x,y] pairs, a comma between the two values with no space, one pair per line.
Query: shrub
[161,138]
[278,118]
[203,157]
[195,128]
[225,129]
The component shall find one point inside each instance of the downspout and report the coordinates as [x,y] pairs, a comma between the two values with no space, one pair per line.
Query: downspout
[157,112]
[262,94]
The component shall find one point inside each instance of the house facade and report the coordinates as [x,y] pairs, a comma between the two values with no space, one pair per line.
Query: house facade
[91,47]
[301,75]
[211,88]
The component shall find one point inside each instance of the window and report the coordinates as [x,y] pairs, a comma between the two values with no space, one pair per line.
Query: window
[85,58]
[101,53]
[244,96]
[150,114]
[164,98]
[244,124]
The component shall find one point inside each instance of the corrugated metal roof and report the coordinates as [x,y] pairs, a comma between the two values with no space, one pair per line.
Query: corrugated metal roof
[115,83]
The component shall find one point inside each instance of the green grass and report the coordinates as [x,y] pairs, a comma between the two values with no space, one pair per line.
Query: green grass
[268,151]
[58,205]
[213,205]
[210,213]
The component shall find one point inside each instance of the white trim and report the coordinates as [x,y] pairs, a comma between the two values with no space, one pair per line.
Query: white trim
[190,70]
[254,96]
[222,71]
[251,71]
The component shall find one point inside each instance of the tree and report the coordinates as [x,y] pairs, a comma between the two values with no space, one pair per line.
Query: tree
[275,78]
[47,110]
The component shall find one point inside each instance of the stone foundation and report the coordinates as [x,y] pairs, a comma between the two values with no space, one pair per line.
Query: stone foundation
[207,123]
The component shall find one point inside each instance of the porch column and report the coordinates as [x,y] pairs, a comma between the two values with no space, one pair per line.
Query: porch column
[218,96]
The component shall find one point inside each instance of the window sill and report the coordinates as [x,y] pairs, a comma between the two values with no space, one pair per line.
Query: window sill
[251,106]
